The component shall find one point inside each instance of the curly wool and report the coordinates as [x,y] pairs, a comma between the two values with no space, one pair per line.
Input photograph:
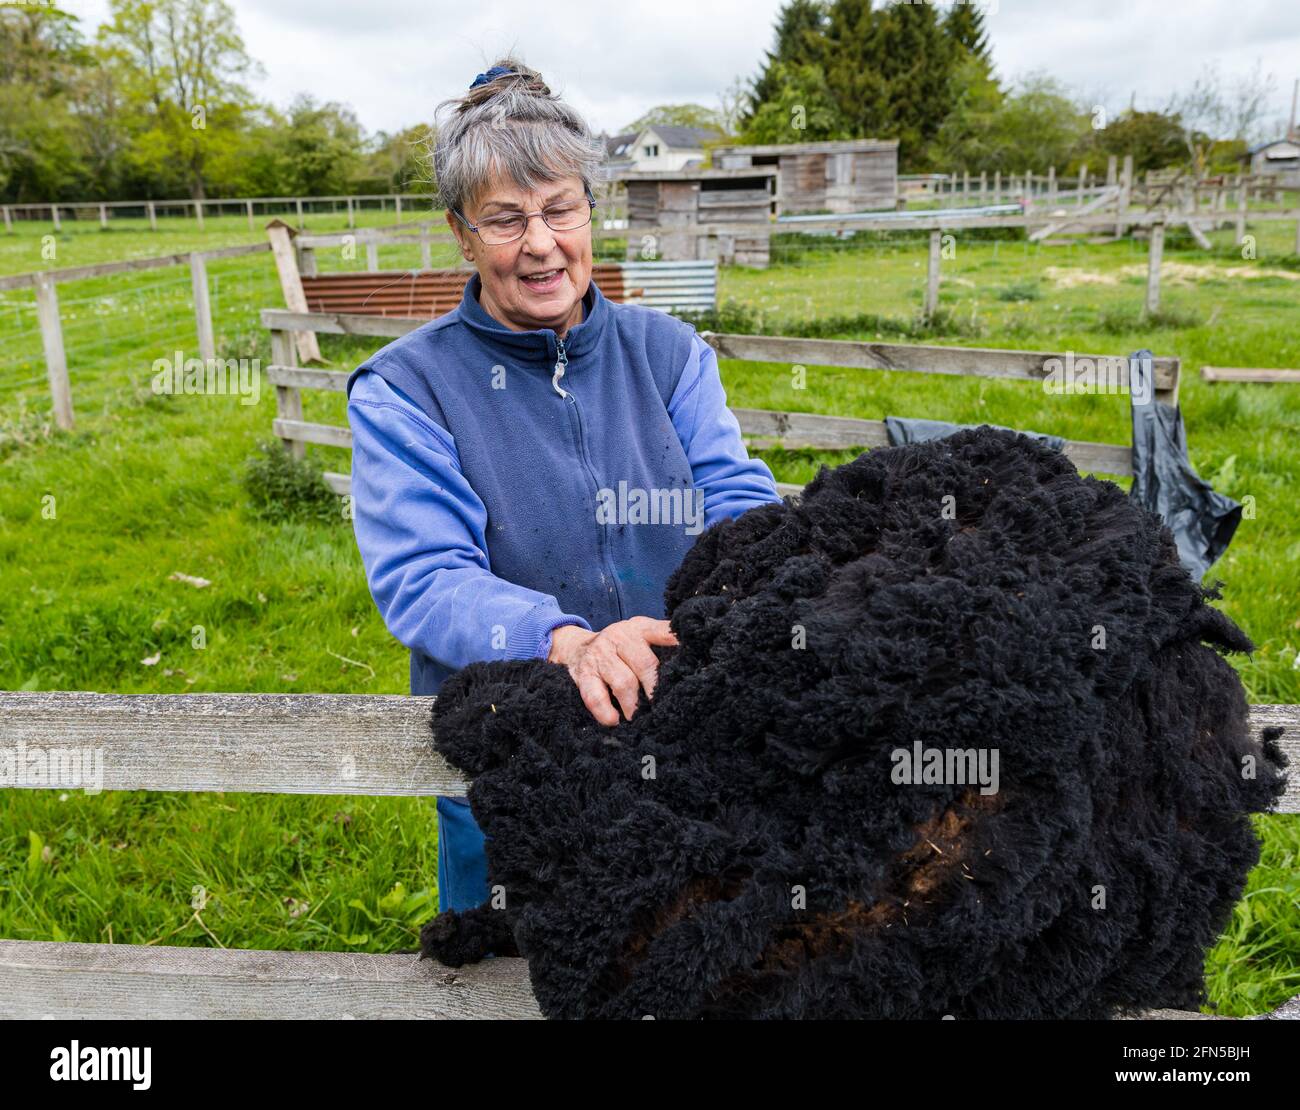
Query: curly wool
[740,847]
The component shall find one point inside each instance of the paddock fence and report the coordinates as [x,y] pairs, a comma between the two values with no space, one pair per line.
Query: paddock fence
[327,744]
[51,316]
[764,427]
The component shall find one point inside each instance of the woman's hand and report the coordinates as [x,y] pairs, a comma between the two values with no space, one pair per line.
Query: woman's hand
[616,658]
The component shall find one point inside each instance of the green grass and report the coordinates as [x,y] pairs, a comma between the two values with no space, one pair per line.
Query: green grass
[151,485]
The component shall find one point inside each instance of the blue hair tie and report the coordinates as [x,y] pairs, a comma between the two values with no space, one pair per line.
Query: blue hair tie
[491,75]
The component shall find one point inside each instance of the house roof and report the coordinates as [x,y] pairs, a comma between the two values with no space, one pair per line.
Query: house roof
[620,146]
[1271,142]
[684,138]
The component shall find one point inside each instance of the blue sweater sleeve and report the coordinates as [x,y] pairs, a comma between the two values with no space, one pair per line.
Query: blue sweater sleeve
[420,528]
[733,483]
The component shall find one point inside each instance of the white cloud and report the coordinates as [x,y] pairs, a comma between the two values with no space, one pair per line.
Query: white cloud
[393,60]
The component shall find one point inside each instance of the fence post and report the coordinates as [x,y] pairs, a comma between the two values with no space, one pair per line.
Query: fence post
[202,307]
[1297,237]
[1153,267]
[1122,201]
[248,207]
[397,200]
[984,186]
[298,204]
[932,275]
[295,300]
[153,217]
[198,213]
[307,261]
[9,221]
[56,361]
[352,220]
[288,399]
[372,256]
[103,216]
[1242,196]
[54,215]
[997,186]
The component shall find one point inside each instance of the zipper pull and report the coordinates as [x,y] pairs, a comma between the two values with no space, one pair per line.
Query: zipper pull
[560,363]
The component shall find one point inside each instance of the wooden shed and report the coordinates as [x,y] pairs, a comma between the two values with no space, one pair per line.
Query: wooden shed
[664,208]
[852,175]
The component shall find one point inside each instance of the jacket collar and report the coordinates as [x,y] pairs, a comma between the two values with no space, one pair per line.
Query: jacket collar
[536,345]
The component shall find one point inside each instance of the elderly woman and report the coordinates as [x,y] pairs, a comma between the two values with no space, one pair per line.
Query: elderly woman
[514,460]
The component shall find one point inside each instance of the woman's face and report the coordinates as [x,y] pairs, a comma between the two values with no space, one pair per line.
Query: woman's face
[539,280]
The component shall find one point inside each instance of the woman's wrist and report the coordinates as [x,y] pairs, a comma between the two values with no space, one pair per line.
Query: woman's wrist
[563,640]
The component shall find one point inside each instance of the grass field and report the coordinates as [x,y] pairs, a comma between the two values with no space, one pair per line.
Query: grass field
[150,485]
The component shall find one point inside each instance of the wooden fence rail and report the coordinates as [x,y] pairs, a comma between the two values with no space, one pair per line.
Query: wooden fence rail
[284,744]
[53,211]
[45,282]
[767,427]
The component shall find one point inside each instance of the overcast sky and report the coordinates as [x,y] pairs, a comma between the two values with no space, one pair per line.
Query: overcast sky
[393,60]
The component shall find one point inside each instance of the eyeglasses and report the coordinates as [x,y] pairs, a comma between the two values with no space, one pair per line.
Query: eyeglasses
[568,215]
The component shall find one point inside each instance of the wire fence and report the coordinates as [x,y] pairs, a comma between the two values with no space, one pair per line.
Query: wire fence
[116,329]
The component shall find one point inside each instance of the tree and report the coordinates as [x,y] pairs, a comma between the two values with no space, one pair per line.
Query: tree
[678,115]
[1154,139]
[891,71]
[180,64]
[968,136]
[41,53]
[1211,111]
[318,148]
[733,103]
[1035,126]
[803,110]
[800,35]
[964,26]
[401,161]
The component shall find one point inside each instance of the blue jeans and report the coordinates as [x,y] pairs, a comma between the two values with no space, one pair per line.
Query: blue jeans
[462,862]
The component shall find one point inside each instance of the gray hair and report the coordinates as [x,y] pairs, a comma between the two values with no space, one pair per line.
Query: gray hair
[513,127]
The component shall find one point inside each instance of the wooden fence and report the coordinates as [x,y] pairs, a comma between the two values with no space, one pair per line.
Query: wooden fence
[46,283]
[787,429]
[104,210]
[1153,187]
[280,744]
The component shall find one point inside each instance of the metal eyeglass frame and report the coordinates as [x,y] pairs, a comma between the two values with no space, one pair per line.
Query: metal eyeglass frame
[591,201]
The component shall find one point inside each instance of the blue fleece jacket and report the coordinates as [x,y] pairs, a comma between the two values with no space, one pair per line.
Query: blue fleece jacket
[505,483]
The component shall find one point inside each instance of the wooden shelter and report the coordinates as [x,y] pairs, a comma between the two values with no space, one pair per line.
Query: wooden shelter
[670,213]
[851,175]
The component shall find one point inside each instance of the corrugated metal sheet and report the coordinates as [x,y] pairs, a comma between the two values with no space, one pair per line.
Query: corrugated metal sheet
[671,286]
[428,293]
[414,294]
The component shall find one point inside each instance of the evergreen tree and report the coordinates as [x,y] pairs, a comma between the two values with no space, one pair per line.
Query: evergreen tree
[964,25]
[800,41]
[891,70]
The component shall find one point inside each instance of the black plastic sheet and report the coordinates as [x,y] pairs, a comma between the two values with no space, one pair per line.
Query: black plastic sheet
[905,429]
[1202,520]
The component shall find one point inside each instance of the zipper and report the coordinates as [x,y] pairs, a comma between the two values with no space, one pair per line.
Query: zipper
[560,363]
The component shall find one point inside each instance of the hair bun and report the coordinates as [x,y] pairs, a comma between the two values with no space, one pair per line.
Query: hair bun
[505,74]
